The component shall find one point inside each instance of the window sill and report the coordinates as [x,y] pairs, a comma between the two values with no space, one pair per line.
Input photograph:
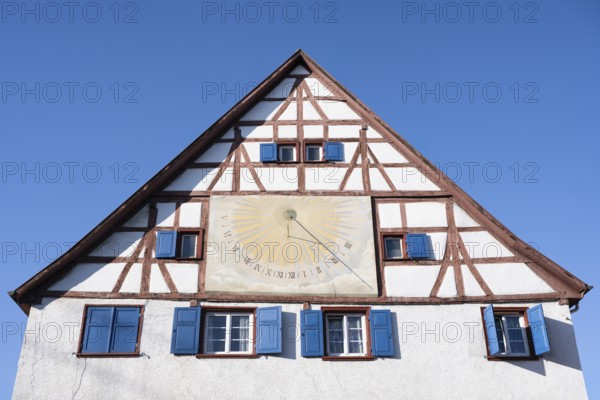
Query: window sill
[513,358]
[227,355]
[347,358]
[107,355]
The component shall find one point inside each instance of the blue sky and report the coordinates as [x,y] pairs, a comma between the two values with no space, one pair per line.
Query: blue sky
[96,98]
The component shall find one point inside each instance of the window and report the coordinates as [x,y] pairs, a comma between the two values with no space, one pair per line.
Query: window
[228,332]
[512,338]
[109,330]
[178,244]
[346,335]
[313,152]
[393,247]
[287,153]
[515,332]
[414,246]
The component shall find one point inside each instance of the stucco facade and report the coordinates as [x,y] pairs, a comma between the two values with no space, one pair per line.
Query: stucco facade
[440,354]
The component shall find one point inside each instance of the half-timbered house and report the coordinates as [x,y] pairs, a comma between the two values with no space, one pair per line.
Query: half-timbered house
[300,247]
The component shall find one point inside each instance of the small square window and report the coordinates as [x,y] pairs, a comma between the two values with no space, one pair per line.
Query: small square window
[189,245]
[393,247]
[228,333]
[287,153]
[346,335]
[313,153]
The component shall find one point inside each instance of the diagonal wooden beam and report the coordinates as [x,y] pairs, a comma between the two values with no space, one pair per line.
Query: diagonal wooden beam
[443,269]
[131,260]
[313,102]
[381,169]
[167,276]
[453,235]
[351,167]
[250,167]
[465,255]
[287,101]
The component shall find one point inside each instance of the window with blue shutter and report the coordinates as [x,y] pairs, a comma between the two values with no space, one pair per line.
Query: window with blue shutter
[268,152]
[382,335]
[125,330]
[490,329]
[311,330]
[111,330]
[419,246]
[186,330]
[539,333]
[334,151]
[268,340]
[98,325]
[165,244]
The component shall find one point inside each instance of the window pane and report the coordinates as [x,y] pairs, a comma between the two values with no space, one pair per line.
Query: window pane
[515,335]
[286,153]
[313,153]
[500,334]
[393,248]
[215,333]
[240,333]
[335,334]
[188,246]
[355,339]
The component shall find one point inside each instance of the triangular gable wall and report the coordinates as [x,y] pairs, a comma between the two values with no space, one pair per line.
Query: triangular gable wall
[476,257]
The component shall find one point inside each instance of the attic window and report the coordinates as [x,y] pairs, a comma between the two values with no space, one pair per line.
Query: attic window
[178,244]
[287,153]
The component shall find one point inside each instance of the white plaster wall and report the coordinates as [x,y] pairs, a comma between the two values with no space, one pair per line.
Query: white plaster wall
[253,132]
[262,111]
[119,244]
[377,180]
[311,131]
[274,178]
[439,355]
[344,131]
[328,178]
[215,153]
[389,215]
[426,214]
[410,178]
[386,153]
[512,278]
[139,220]
[193,179]
[337,110]
[165,214]
[483,245]
[317,88]
[90,277]
[190,214]
[355,180]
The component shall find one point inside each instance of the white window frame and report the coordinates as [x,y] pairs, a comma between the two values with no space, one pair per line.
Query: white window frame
[315,145]
[195,235]
[385,252]
[504,328]
[229,315]
[280,151]
[346,338]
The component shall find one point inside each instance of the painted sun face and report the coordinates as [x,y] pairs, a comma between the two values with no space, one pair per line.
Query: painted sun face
[306,244]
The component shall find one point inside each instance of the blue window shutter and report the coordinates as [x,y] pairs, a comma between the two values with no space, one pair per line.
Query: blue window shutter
[334,151]
[125,330]
[382,335]
[311,330]
[419,246]
[490,328]
[537,324]
[186,330]
[268,152]
[268,330]
[165,244]
[98,323]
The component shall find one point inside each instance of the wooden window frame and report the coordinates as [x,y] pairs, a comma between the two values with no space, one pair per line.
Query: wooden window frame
[246,310]
[291,143]
[199,243]
[364,311]
[315,142]
[136,353]
[402,236]
[522,311]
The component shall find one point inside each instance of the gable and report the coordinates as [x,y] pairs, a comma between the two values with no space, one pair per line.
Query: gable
[476,258]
